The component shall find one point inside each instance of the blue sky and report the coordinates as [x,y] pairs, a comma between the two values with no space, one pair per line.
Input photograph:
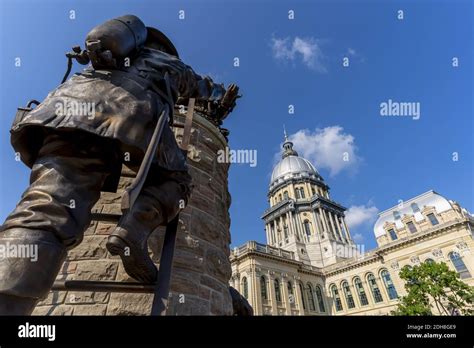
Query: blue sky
[289,62]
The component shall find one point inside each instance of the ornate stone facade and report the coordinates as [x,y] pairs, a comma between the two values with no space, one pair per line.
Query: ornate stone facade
[201,268]
[308,267]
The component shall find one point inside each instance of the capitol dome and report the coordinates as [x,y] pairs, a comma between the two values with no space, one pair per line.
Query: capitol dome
[292,166]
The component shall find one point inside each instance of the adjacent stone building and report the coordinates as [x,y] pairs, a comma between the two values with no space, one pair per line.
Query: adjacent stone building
[201,269]
[310,264]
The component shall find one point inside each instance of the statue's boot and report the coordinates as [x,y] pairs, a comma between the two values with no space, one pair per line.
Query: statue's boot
[155,206]
[131,245]
[28,268]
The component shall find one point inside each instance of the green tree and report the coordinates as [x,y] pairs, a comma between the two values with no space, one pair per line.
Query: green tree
[433,285]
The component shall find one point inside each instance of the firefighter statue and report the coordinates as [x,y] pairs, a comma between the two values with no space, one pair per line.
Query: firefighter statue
[75,142]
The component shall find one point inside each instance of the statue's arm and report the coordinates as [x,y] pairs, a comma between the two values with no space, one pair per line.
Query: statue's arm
[201,87]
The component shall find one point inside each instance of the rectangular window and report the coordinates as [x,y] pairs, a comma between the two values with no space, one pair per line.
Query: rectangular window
[392,233]
[433,219]
[411,227]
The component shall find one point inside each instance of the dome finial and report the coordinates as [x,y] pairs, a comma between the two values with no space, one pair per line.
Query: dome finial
[288,146]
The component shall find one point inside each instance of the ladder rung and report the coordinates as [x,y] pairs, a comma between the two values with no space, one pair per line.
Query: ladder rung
[108,217]
[102,286]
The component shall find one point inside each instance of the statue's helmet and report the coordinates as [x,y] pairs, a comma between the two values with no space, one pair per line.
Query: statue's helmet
[122,37]
[157,40]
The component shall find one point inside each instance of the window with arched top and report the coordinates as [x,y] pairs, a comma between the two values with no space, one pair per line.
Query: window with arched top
[415,208]
[433,220]
[387,280]
[263,288]
[359,288]
[291,295]
[303,300]
[374,288]
[319,296]
[290,288]
[310,295]
[276,284]
[336,298]
[245,287]
[459,265]
[307,227]
[348,294]
[393,234]
[429,260]
[285,195]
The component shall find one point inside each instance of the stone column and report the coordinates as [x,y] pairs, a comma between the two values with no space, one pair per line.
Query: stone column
[317,218]
[343,228]
[300,224]
[292,225]
[326,223]
[286,297]
[271,289]
[338,226]
[299,300]
[257,307]
[333,227]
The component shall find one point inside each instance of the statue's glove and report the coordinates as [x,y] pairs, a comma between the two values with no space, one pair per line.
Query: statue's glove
[228,101]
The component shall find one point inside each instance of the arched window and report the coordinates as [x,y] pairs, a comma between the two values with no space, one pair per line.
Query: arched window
[429,261]
[336,298]
[307,228]
[319,296]
[302,192]
[263,288]
[434,221]
[279,196]
[291,296]
[276,283]
[309,291]
[359,287]
[347,292]
[302,295]
[458,263]
[374,288]
[392,292]
[245,288]
[285,195]
[415,207]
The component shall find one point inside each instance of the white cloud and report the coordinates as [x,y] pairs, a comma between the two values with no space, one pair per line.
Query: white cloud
[328,148]
[358,237]
[358,215]
[309,50]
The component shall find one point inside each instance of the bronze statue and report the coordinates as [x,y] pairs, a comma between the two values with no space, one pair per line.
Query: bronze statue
[75,142]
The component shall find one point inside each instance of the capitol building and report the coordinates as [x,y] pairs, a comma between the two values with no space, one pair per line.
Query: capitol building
[310,264]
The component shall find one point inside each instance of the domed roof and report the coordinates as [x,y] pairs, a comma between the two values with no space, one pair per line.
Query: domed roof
[410,207]
[292,166]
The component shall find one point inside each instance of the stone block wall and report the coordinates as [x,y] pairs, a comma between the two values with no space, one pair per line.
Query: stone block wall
[201,268]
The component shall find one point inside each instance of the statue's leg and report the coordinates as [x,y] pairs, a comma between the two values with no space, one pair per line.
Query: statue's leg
[50,218]
[156,205]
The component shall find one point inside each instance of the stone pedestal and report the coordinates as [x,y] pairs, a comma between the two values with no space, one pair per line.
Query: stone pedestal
[201,269]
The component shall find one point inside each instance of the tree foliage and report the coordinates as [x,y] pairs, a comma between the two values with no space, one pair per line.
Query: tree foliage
[433,285]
